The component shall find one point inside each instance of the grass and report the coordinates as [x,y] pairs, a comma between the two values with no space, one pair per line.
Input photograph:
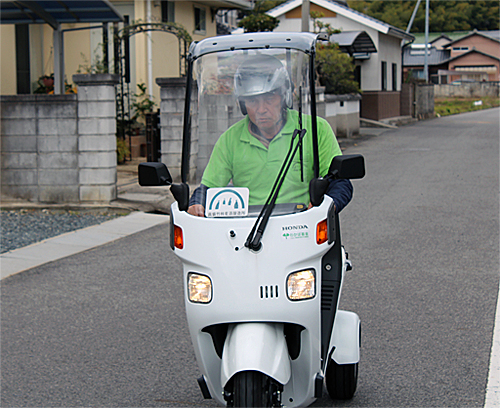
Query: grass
[452,106]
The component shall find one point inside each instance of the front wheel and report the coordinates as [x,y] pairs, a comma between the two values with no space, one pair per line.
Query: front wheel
[341,380]
[255,389]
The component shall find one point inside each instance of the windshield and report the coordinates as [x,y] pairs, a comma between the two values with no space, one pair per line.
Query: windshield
[250,106]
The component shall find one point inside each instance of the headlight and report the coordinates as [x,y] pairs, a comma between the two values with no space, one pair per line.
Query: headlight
[301,285]
[199,288]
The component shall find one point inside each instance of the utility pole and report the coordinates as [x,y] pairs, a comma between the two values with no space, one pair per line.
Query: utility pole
[306,6]
[426,62]
[149,42]
[408,29]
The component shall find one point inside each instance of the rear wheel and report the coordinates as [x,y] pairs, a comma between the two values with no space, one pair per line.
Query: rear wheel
[255,389]
[341,380]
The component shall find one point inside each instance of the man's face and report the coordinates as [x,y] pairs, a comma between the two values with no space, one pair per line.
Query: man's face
[265,112]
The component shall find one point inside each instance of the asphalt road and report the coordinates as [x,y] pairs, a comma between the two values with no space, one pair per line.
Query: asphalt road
[107,327]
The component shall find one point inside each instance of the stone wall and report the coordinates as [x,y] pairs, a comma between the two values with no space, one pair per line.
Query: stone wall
[417,100]
[61,148]
[424,101]
[407,99]
[468,90]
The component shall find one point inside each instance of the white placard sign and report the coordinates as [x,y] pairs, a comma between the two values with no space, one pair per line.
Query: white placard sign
[227,202]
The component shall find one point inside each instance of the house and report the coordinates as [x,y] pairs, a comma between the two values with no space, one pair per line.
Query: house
[379,74]
[472,56]
[478,53]
[152,54]
[440,41]
[414,61]
[63,148]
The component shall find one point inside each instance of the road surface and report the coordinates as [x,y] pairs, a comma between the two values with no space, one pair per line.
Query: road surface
[107,327]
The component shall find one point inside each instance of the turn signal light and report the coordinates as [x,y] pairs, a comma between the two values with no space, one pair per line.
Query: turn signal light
[322,232]
[178,238]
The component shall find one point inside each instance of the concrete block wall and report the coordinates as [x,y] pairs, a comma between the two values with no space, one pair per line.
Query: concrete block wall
[220,114]
[61,148]
[40,147]
[97,137]
[172,94]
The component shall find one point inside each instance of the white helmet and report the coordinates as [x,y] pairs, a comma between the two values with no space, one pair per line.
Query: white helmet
[259,75]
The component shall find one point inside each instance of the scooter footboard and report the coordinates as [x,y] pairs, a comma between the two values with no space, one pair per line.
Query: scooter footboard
[346,338]
[256,347]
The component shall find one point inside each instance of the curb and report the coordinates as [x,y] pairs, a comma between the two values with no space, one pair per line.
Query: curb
[71,243]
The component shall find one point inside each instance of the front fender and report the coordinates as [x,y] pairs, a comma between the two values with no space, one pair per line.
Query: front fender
[256,347]
[345,338]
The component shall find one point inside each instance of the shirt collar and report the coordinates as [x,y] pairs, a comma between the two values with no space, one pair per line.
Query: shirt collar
[288,129]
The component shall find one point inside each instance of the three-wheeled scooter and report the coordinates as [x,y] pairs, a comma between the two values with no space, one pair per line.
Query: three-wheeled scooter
[262,280]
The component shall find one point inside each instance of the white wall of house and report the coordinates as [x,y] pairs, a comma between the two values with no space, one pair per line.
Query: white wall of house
[388,48]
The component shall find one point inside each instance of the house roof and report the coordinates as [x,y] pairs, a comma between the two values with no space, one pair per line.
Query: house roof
[439,37]
[415,58]
[453,35]
[473,51]
[491,35]
[55,13]
[228,4]
[354,42]
[345,12]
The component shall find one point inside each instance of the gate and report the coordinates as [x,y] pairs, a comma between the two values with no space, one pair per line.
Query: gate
[153,138]
[124,112]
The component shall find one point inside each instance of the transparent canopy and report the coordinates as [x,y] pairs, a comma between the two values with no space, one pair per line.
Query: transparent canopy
[250,106]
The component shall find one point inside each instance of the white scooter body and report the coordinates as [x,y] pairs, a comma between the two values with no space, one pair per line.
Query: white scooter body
[249,294]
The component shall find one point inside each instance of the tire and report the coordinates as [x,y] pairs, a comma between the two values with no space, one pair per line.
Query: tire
[341,380]
[255,389]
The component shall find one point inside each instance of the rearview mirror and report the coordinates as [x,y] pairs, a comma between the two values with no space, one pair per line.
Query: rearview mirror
[347,167]
[154,174]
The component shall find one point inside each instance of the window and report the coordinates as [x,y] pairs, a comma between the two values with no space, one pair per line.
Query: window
[394,77]
[357,75]
[491,69]
[384,76]
[167,11]
[418,73]
[23,59]
[200,20]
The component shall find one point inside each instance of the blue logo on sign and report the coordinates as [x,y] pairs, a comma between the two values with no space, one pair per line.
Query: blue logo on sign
[227,200]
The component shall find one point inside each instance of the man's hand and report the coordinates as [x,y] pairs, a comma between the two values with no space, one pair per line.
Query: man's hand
[197,210]
[311,206]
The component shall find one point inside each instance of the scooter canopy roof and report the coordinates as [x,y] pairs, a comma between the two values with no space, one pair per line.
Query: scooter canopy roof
[299,41]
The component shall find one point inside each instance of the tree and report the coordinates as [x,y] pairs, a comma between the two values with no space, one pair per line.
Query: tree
[256,20]
[335,68]
[258,23]
[462,15]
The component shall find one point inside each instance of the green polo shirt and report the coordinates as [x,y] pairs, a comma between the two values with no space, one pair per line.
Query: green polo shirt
[242,158]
